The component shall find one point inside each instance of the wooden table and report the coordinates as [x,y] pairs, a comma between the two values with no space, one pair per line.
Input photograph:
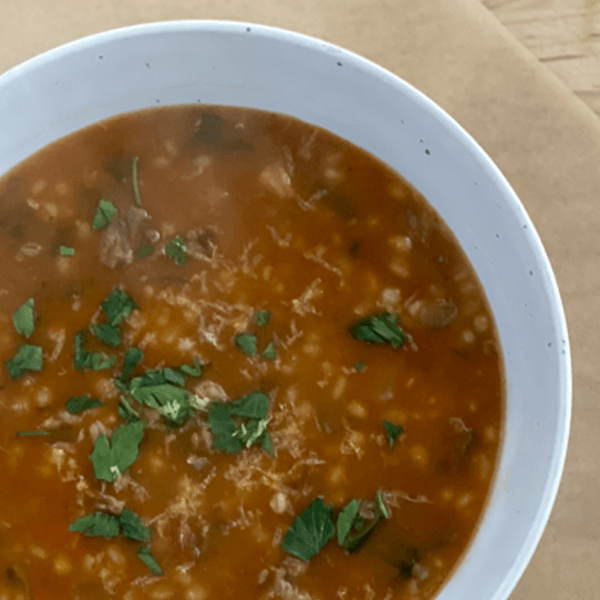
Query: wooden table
[563,34]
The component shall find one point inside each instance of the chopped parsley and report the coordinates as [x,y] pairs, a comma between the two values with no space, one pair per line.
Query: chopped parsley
[360,366]
[66,251]
[270,352]
[105,213]
[28,358]
[176,251]
[379,329]
[109,335]
[346,520]
[97,524]
[246,342]
[134,177]
[262,317]
[23,318]
[393,432]
[310,531]
[118,306]
[194,370]
[145,554]
[241,424]
[132,359]
[82,359]
[79,404]
[145,251]
[127,412]
[110,462]
[133,526]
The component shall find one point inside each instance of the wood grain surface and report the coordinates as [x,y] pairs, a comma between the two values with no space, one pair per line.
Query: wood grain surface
[563,34]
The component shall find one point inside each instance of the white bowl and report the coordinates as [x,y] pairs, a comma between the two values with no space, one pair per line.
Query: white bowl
[249,65]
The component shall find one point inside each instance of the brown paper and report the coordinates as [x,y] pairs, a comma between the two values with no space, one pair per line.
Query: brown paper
[546,142]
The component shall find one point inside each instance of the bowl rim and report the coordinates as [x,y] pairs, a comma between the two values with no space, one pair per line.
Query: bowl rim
[564,414]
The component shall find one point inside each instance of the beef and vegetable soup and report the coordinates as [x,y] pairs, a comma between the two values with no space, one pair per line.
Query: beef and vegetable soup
[241,358]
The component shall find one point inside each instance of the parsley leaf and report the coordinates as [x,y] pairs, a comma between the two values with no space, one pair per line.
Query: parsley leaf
[223,429]
[28,358]
[176,251]
[133,526]
[393,432]
[111,462]
[154,390]
[145,251]
[105,213]
[246,342]
[262,317]
[109,335]
[97,524]
[66,251]
[379,329]
[132,359]
[193,371]
[270,352]
[254,405]
[310,531]
[82,359]
[134,176]
[127,412]
[381,505]
[23,319]
[78,404]
[118,306]
[148,559]
[346,520]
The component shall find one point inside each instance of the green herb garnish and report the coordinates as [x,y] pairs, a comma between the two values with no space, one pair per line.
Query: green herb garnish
[79,404]
[254,405]
[134,177]
[145,251]
[381,505]
[262,317]
[97,524]
[28,358]
[360,366]
[82,359]
[118,306]
[132,359]
[111,462]
[224,429]
[105,213]
[109,335]
[176,251]
[270,352]
[393,432]
[194,370]
[127,412]
[133,526]
[66,251]
[379,329]
[23,319]
[310,531]
[246,342]
[346,520]
[148,559]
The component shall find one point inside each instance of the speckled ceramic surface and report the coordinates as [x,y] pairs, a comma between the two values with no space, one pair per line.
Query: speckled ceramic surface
[239,64]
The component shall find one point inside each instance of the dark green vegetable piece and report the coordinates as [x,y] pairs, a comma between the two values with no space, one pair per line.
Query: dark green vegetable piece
[118,306]
[109,335]
[254,405]
[176,251]
[310,531]
[78,404]
[145,251]
[246,342]
[148,559]
[83,359]
[23,319]
[379,329]
[133,527]
[194,370]
[127,412]
[111,462]
[66,251]
[393,432]
[346,520]
[132,359]
[28,358]
[262,317]
[224,429]
[360,366]
[97,525]
[105,213]
[270,352]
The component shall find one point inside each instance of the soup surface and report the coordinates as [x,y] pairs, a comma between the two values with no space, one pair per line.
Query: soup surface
[242,358]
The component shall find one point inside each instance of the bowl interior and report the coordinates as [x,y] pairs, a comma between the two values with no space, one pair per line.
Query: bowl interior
[249,65]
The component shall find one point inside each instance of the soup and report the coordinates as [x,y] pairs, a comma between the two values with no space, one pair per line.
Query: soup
[244,359]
